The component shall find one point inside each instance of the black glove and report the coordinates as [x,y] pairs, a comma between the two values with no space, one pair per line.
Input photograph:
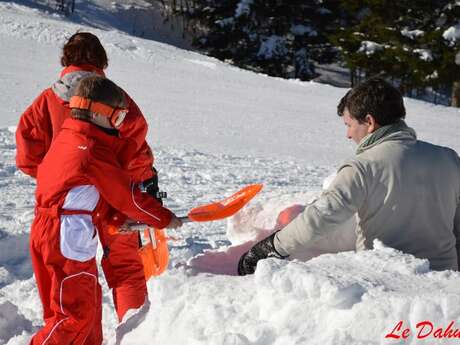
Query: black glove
[150,186]
[262,250]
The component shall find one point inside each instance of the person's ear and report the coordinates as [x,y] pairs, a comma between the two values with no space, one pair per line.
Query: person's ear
[372,125]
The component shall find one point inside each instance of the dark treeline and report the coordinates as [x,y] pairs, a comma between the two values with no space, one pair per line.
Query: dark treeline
[412,43]
[64,6]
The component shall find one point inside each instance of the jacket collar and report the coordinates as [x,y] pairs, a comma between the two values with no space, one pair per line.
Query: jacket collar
[395,131]
[84,67]
[70,76]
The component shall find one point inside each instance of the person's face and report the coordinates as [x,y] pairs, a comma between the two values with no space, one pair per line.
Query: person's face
[357,130]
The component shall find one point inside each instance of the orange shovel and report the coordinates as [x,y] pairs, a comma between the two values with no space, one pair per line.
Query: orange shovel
[155,254]
[216,210]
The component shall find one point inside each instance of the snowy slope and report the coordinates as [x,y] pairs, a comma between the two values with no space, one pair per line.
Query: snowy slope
[215,128]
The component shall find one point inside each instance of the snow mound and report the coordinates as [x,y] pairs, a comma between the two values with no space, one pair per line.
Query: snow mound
[346,298]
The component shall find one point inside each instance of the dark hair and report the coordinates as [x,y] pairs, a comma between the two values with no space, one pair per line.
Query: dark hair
[84,48]
[341,105]
[98,89]
[375,97]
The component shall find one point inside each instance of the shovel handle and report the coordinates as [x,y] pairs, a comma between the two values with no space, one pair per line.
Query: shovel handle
[185,219]
[140,226]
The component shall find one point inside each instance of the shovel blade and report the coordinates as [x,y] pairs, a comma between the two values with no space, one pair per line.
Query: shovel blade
[225,208]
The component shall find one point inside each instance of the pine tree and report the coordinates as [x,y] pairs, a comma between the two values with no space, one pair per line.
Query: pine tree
[413,43]
[448,36]
[277,37]
[404,41]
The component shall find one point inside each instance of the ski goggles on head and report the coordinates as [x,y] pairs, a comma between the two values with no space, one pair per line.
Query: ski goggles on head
[116,115]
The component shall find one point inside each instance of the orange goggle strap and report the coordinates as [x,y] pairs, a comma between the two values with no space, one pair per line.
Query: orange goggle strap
[116,115]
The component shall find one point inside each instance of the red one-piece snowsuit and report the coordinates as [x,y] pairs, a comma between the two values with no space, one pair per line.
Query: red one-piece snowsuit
[78,182]
[37,128]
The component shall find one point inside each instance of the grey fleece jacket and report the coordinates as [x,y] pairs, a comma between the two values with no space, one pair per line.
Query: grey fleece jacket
[405,192]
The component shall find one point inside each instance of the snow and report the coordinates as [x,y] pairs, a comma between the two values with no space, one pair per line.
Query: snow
[452,34]
[324,11]
[424,54]
[345,298]
[243,8]
[226,21]
[412,34]
[433,75]
[300,30]
[272,46]
[215,128]
[369,47]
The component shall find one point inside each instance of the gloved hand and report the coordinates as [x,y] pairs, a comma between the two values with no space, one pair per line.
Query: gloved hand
[262,250]
[150,187]
[174,223]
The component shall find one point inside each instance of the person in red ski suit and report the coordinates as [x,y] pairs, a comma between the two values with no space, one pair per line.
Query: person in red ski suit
[83,55]
[80,182]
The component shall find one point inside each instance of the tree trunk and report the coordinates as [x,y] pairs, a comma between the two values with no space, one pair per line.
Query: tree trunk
[455,94]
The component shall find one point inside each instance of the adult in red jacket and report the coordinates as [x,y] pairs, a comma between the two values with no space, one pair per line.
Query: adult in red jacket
[82,56]
[79,182]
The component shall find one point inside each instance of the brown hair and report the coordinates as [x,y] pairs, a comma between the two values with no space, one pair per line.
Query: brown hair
[84,48]
[376,97]
[98,89]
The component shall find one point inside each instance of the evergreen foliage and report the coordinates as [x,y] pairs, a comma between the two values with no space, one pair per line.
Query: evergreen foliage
[415,44]
[402,40]
[277,37]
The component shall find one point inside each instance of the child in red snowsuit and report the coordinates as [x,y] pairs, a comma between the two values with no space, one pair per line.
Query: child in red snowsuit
[79,182]
[83,55]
